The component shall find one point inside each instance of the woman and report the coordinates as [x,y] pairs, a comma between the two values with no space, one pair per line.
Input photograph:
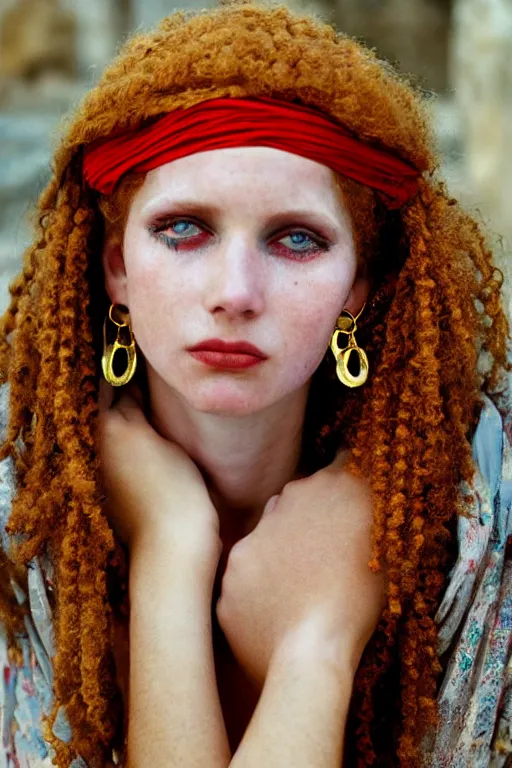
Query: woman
[245,198]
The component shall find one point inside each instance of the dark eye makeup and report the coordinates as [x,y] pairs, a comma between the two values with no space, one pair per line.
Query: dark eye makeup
[308,244]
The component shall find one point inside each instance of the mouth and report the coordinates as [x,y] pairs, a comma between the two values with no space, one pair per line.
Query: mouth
[227,354]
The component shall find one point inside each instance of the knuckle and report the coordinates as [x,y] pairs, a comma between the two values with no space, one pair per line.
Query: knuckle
[291,489]
[220,609]
[236,553]
[224,612]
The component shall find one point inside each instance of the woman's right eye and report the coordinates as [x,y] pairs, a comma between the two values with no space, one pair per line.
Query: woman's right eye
[178,227]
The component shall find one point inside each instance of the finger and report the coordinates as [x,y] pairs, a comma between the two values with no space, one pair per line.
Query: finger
[270,506]
[106,395]
[135,392]
[339,460]
[130,406]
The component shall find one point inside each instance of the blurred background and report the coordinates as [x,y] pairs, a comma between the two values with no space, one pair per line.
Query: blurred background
[51,51]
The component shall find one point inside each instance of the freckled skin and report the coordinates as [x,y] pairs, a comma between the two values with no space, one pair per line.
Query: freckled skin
[243,280]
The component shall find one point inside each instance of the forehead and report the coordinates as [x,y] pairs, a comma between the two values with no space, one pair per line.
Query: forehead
[245,176]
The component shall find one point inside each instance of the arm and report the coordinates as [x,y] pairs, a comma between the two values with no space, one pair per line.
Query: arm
[301,715]
[175,718]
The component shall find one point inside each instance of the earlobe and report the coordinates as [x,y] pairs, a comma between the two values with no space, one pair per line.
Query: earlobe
[114,269]
[358,295]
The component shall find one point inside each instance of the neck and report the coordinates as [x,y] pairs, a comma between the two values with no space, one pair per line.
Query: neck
[244,460]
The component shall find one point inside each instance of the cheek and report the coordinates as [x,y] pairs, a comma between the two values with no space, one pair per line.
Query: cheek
[156,297]
[310,325]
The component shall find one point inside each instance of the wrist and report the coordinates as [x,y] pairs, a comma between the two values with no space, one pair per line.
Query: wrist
[182,533]
[166,561]
[310,642]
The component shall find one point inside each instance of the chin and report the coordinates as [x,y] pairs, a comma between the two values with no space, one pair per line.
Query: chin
[226,399]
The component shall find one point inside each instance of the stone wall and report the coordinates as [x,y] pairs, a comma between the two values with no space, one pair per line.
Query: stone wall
[474,118]
[146,14]
[37,35]
[411,33]
[481,76]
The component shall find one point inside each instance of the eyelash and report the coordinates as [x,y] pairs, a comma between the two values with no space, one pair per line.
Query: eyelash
[158,232]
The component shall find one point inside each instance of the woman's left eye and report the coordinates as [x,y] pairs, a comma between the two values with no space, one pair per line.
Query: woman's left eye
[300,239]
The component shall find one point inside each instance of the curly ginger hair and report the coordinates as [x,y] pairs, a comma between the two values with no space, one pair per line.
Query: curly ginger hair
[435,307]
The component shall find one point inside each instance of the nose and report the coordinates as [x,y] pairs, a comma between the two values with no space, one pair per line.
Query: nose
[235,283]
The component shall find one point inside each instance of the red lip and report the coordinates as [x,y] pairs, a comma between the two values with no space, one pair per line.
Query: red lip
[228,347]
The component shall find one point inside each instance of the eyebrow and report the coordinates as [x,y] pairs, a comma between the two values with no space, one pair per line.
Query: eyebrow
[159,209]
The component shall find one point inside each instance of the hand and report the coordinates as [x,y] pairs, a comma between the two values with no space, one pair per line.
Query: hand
[153,489]
[303,572]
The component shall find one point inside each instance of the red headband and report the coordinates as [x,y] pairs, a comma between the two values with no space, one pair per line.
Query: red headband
[229,122]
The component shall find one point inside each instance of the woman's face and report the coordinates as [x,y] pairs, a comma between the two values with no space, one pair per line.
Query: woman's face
[246,244]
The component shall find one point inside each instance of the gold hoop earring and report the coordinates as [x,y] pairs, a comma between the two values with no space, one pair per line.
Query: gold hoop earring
[348,326]
[124,339]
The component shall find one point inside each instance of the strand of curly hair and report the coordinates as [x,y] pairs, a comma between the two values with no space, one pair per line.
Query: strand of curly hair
[434,310]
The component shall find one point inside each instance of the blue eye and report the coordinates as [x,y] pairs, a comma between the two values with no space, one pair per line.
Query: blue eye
[180,226]
[300,239]
[189,236]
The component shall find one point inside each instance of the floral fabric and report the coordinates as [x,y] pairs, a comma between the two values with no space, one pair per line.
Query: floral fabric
[26,690]
[474,618]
